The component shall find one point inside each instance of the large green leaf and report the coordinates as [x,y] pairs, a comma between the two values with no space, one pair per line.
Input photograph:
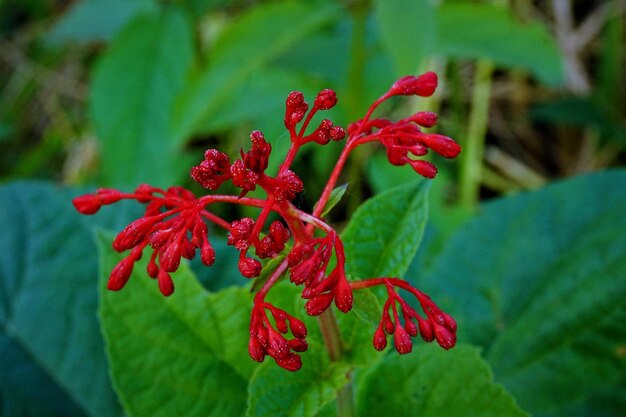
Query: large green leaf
[253,40]
[407,41]
[274,391]
[432,382]
[539,280]
[84,22]
[385,232]
[51,356]
[132,97]
[184,355]
[487,31]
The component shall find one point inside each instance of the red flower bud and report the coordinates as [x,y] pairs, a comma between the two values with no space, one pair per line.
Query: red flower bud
[402,340]
[424,168]
[255,349]
[318,304]
[298,345]
[278,347]
[326,99]
[166,285]
[240,231]
[343,295]
[426,329]
[189,250]
[298,328]
[387,322]
[257,158]
[207,253]
[242,177]
[411,327]
[295,110]
[261,334]
[423,85]
[109,195]
[134,233]
[448,322]
[424,118]
[445,337]
[380,339]
[152,268]
[281,324]
[87,204]
[441,144]
[120,274]
[169,257]
[213,171]
[144,191]
[337,133]
[278,232]
[292,362]
[249,267]
[287,186]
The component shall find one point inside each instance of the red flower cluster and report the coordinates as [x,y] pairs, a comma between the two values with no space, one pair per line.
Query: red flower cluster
[174,225]
[266,339]
[437,324]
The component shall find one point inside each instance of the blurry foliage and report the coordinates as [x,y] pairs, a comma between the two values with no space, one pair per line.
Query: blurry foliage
[119,92]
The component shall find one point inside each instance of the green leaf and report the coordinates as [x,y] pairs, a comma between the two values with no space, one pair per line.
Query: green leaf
[357,329]
[539,280]
[381,175]
[432,382]
[84,22]
[274,391]
[132,97]
[366,306]
[582,112]
[335,197]
[51,357]
[407,41]
[248,44]
[385,232]
[183,355]
[487,31]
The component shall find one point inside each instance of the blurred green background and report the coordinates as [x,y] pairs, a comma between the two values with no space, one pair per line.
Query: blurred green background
[116,93]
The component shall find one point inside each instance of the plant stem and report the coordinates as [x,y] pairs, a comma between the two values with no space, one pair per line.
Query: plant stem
[355,84]
[332,340]
[345,399]
[330,333]
[473,149]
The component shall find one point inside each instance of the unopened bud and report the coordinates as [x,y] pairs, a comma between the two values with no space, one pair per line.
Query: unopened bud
[166,285]
[292,362]
[424,168]
[249,267]
[445,337]
[255,350]
[120,274]
[87,204]
[318,304]
[380,339]
[298,328]
[326,99]
[343,295]
[402,340]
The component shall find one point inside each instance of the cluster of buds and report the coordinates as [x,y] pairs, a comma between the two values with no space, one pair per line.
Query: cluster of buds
[266,339]
[437,324]
[307,266]
[174,226]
